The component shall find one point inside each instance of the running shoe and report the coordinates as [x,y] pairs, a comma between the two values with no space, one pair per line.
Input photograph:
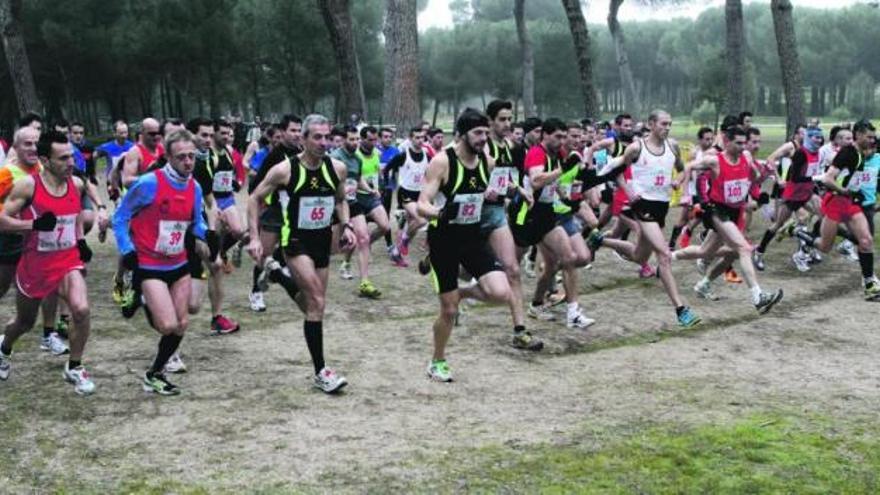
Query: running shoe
[685,240]
[578,320]
[529,268]
[815,256]
[758,261]
[257,303]
[525,340]
[63,326]
[5,363]
[731,277]
[541,312]
[594,241]
[403,244]
[345,270]
[175,364]
[848,249]
[872,293]
[801,261]
[129,310]
[400,216]
[80,378]
[425,265]
[368,290]
[221,325]
[438,370]
[687,318]
[767,300]
[647,271]
[394,255]
[705,291]
[329,381]
[118,292]
[158,384]
[701,266]
[54,344]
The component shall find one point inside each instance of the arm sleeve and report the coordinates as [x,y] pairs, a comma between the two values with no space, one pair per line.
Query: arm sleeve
[395,163]
[200,227]
[141,193]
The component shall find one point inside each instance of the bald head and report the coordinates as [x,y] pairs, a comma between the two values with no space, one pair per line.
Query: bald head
[150,134]
[25,145]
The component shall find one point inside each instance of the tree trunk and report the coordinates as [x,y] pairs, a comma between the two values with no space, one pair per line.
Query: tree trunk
[400,96]
[528,60]
[436,111]
[337,18]
[16,57]
[736,60]
[633,103]
[786,44]
[580,36]
[815,108]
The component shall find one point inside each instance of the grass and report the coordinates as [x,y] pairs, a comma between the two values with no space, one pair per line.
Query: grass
[761,454]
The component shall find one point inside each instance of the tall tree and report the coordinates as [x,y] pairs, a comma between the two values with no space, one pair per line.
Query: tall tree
[400,96]
[786,45]
[16,56]
[633,101]
[581,39]
[337,17]
[736,59]
[528,60]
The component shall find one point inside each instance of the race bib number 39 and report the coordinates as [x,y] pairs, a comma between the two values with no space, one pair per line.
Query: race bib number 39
[470,207]
[63,237]
[223,181]
[315,212]
[171,235]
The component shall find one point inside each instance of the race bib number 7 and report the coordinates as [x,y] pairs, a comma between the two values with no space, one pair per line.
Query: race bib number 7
[171,235]
[315,212]
[62,237]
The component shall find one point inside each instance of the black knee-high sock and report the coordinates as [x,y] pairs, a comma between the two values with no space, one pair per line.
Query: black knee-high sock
[286,283]
[228,242]
[257,271]
[817,227]
[533,254]
[866,261]
[842,232]
[768,236]
[167,345]
[279,256]
[676,231]
[315,342]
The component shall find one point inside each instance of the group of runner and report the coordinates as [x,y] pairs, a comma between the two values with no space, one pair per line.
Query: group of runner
[490,201]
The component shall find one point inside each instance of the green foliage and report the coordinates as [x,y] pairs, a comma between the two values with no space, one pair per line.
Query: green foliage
[705,114]
[841,114]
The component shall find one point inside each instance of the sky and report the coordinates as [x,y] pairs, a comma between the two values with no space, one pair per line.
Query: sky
[437,13]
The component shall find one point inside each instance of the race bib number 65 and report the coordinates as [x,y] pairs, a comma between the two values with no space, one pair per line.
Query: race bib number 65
[315,212]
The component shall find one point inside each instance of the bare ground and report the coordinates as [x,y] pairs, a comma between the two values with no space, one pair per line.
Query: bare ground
[248,419]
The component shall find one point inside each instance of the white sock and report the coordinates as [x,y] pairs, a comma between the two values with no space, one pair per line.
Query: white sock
[705,281]
[572,309]
[756,294]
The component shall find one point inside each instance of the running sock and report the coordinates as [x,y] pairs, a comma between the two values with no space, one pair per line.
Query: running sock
[167,345]
[315,342]
[47,331]
[679,310]
[71,364]
[228,242]
[517,329]
[572,309]
[768,236]
[5,349]
[257,271]
[817,227]
[756,294]
[676,231]
[279,256]
[866,261]
[533,254]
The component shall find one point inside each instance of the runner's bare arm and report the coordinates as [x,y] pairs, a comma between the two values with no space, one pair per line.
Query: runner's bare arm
[347,237]
[274,179]
[18,198]
[629,156]
[786,150]
[436,175]
[131,163]
[676,150]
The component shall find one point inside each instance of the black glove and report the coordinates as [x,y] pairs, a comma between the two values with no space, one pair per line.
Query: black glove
[85,252]
[130,261]
[46,222]
[213,241]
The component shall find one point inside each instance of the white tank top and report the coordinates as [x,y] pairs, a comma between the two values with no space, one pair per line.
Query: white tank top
[652,174]
[412,173]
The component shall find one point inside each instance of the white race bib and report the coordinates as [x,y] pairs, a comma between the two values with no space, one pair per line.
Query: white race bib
[171,235]
[412,177]
[499,181]
[470,207]
[223,181]
[351,186]
[652,182]
[315,212]
[735,191]
[372,181]
[62,237]
[548,193]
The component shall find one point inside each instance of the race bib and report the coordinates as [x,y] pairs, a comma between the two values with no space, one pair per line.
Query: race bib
[514,176]
[223,181]
[654,181]
[470,206]
[412,179]
[315,212]
[548,193]
[860,178]
[499,181]
[351,189]
[735,191]
[171,234]
[372,181]
[812,169]
[576,193]
[62,237]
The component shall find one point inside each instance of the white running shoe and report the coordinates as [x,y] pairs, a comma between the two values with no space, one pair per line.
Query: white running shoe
[801,261]
[257,302]
[329,381]
[175,364]
[541,312]
[5,363]
[705,291]
[439,371]
[80,378]
[345,270]
[701,266]
[54,344]
[578,320]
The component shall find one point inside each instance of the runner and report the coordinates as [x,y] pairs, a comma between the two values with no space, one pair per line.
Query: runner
[313,185]
[435,142]
[690,199]
[842,204]
[113,151]
[408,168]
[504,183]
[151,227]
[651,160]
[840,137]
[388,151]
[53,255]
[460,176]
[363,196]
[732,178]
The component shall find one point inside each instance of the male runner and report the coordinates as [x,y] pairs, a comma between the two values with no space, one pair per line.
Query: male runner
[47,207]
[314,186]
[409,168]
[690,198]
[114,151]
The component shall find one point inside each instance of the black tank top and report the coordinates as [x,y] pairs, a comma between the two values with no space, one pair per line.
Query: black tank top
[463,196]
[308,200]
